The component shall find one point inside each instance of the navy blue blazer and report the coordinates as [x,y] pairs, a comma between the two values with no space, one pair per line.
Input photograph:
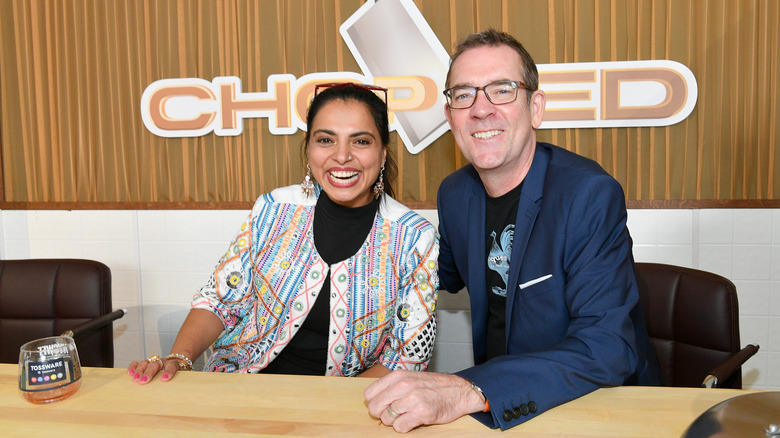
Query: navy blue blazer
[573,321]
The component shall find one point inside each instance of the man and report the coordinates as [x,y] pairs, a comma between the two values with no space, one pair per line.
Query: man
[543,249]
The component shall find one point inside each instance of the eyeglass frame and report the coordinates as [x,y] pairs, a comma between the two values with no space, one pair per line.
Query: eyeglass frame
[369,87]
[518,84]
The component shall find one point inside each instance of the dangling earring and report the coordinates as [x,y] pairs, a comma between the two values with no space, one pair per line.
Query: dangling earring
[307,186]
[379,187]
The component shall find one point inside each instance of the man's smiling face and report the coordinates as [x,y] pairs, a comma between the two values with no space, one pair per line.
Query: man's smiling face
[494,138]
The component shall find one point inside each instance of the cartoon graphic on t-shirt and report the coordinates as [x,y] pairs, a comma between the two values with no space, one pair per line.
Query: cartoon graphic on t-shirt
[498,259]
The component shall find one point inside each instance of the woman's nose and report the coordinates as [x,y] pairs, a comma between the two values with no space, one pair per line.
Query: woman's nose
[343,153]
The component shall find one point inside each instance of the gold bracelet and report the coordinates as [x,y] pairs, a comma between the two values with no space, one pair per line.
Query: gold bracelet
[185,364]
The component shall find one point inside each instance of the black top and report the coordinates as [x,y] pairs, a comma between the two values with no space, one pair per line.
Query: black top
[339,232]
[500,215]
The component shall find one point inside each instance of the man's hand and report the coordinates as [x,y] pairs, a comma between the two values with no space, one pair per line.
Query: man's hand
[407,399]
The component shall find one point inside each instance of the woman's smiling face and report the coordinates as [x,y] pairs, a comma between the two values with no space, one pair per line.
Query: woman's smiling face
[345,152]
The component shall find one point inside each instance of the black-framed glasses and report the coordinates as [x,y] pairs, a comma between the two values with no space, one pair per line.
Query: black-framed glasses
[375,89]
[497,93]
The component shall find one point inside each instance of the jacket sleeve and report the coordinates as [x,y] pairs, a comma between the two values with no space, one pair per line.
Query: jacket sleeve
[414,320]
[590,300]
[228,289]
[449,278]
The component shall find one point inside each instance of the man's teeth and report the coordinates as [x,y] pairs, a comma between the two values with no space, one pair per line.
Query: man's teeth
[486,134]
[344,176]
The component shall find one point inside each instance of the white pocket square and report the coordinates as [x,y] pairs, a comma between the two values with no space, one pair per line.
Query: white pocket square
[534,281]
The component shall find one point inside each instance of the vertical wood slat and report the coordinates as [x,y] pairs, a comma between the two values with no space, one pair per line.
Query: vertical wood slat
[73,72]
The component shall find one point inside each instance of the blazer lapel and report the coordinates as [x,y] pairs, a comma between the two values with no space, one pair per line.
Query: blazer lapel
[476,266]
[527,211]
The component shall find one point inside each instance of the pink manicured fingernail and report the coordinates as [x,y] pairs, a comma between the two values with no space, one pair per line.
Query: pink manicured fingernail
[165,377]
[144,379]
[135,377]
[130,372]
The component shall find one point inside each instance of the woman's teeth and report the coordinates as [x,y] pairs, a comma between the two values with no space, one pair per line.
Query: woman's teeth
[344,176]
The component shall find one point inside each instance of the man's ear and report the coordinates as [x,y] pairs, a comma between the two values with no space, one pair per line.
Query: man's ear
[447,114]
[538,102]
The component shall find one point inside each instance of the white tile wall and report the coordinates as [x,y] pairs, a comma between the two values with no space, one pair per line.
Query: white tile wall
[158,259]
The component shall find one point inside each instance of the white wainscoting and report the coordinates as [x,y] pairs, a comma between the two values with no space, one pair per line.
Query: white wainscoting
[159,258]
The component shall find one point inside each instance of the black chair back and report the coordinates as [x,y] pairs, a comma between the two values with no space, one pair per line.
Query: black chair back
[692,318]
[46,297]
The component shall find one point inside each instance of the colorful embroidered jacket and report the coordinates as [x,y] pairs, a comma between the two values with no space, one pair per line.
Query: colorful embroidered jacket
[382,298]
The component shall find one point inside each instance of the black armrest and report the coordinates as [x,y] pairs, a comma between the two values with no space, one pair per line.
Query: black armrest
[94,324]
[727,368]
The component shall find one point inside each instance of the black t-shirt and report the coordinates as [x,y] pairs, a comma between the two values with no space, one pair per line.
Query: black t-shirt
[500,215]
[339,232]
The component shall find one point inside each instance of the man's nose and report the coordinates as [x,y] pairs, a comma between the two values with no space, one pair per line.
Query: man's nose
[482,107]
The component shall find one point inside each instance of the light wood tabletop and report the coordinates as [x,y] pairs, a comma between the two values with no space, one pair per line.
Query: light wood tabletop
[212,404]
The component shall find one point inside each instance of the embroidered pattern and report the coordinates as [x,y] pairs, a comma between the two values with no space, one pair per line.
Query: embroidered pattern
[382,299]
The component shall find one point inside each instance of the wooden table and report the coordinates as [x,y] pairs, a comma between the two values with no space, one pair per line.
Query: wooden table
[212,404]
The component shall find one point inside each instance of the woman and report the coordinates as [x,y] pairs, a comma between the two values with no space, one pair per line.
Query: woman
[329,277]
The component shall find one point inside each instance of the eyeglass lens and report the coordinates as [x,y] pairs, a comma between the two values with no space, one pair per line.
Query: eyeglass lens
[497,93]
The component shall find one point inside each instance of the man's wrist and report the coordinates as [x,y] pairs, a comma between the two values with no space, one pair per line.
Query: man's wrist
[481,395]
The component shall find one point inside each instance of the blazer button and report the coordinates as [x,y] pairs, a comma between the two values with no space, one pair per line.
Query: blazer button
[523,409]
[516,413]
[508,415]
[532,407]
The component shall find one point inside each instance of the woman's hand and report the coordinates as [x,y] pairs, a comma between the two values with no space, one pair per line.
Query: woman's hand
[199,330]
[142,372]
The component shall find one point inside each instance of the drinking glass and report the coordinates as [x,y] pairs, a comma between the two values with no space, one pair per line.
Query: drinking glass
[49,369]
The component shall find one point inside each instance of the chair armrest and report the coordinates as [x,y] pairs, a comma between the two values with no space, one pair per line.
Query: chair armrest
[727,368]
[94,324]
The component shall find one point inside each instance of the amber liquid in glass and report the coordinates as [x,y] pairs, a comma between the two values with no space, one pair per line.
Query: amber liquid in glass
[52,395]
[49,369]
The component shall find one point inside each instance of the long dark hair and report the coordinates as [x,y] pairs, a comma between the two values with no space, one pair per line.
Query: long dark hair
[378,110]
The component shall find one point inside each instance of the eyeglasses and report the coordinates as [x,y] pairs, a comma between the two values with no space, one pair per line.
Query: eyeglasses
[497,93]
[369,87]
